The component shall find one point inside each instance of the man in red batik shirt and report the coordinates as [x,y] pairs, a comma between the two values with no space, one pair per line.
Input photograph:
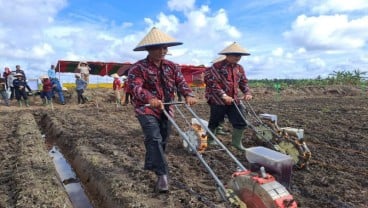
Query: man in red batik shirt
[223,79]
[152,82]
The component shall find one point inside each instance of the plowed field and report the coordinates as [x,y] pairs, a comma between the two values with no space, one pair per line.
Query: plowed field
[104,145]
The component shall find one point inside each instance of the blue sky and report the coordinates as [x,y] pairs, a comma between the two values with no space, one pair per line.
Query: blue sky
[286,38]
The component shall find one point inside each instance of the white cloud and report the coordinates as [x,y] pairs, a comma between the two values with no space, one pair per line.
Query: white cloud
[167,23]
[333,6]
[340,6]
[198,18]
[278,52]
[180,5]
[317,62]
[40,51]
[335,32]
[33,14]
[301,50]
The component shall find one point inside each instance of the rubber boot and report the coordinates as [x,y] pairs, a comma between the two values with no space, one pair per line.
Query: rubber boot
[237,138]
[44,102]
[210,140]
[162,184]
[20,103]
[220,131]
[27,102]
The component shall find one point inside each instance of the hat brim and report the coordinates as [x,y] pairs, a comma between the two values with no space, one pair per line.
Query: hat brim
[144,47]
[237,53]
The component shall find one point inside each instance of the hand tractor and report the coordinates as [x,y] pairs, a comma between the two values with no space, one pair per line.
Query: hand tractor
[246,188]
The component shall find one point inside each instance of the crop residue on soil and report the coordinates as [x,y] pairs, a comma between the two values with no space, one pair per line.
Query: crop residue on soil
[104,145]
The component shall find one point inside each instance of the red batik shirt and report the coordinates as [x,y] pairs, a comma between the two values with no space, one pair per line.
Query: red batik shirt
[46,85]
[146,81]
[116,85]
[225,78]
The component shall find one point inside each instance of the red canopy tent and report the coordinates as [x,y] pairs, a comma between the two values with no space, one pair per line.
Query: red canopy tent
[97,68]
[192,74]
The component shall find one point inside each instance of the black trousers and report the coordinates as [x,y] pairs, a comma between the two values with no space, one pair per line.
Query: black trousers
[156,132]
[19,94]
[218,112]
[80,96]
[128,97]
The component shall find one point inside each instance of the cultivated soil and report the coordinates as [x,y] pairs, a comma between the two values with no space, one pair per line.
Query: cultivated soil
[104,145]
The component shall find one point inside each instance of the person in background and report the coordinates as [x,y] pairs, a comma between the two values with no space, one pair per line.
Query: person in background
[116,86]
[46,92]
[57,88]
[3,91]
[84,70]
[51,72]
[6,73]
[223,79]
[152,82]
[18,70]
[9,80]
[80,86]
[20,89]
[127,96]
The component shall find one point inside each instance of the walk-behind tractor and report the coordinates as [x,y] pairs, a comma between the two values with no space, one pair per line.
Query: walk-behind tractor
[254,188]
[286,140]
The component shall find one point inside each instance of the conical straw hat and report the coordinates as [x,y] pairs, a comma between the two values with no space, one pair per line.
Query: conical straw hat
[235,48]
[155,38]
[218,59]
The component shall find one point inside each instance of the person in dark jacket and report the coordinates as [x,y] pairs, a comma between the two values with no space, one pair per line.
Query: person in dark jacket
[20,71]
[19,85]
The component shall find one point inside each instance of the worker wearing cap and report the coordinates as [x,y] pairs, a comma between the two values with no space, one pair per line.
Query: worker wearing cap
[223,79]
[18,70]
[152,82]
[84,71]
[117,86]
[46,92]
[20,89]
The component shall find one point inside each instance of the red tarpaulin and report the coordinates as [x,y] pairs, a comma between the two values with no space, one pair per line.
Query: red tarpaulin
[97,68]
[192,74]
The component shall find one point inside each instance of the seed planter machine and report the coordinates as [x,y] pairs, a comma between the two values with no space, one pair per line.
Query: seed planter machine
[254,188]
[287,140]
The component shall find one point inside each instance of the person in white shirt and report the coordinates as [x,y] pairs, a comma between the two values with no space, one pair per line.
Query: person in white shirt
[84,70]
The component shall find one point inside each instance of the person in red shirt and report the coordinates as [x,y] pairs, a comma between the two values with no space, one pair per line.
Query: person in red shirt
[152,82]
[223,81]
[46,92]
[116,86]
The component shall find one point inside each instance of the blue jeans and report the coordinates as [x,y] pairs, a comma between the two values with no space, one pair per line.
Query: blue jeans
[60,94]
[156,132]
